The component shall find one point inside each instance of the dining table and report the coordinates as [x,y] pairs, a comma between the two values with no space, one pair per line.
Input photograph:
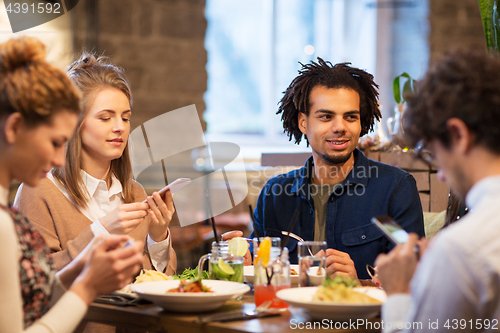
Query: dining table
[152,318]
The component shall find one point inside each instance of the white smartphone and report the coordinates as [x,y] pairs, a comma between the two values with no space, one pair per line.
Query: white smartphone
[391,229]
[174,186]
[128,243]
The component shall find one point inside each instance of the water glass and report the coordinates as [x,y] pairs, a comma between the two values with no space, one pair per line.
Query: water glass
[312,263]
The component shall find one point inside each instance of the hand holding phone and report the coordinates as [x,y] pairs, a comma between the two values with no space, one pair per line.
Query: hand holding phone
[174,186]
[393,230]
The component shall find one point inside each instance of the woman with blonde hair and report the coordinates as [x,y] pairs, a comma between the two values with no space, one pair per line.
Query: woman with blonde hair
[94,193]
[39,108]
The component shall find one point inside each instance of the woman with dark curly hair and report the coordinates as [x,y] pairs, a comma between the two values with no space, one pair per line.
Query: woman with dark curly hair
[39,108]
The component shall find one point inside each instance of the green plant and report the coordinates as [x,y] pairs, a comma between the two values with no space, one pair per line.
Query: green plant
[408,87]
[491,24]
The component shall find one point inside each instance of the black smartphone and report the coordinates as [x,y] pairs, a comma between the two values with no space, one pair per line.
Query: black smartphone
[391,229]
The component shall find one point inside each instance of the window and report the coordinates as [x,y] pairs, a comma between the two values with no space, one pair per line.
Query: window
[254,49]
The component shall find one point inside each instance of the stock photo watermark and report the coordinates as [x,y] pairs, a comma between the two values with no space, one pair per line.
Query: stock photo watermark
[449,324]
[28,14]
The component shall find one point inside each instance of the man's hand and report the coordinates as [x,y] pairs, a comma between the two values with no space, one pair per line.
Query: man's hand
[236,233]
[395,269]
[160,215]
[340,263]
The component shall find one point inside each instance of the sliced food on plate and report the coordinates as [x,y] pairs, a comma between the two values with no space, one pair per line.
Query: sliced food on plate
[190,286]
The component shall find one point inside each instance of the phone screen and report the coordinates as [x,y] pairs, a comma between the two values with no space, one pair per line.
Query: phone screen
[393,230]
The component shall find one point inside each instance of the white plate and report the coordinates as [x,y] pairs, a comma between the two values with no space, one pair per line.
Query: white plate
[156,292]
[302,297]
[248,274]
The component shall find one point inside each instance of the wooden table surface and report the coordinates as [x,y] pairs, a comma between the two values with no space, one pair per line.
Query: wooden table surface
[151,318]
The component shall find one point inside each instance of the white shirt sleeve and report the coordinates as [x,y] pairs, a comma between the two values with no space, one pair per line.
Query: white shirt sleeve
[98,229]
[394,311]
[446,286]
[63,317]
[159,252]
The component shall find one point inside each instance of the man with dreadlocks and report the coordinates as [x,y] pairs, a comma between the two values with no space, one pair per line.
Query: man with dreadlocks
[338,190]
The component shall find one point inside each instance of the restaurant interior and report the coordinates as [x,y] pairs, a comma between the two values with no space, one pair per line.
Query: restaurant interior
[232,59]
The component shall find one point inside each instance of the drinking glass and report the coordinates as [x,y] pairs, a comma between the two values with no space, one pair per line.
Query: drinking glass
[275,245]
[222,265]
[271,277]
[312,263]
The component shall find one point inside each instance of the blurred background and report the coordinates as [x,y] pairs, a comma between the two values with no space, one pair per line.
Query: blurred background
[233,59]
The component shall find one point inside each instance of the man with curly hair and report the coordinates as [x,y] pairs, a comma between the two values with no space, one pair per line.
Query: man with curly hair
[455,117]
[338,190]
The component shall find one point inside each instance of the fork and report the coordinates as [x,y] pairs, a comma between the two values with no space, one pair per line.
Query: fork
[266,307]
[294,236]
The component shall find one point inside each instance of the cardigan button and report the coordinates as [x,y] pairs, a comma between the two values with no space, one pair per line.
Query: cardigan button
[363,237]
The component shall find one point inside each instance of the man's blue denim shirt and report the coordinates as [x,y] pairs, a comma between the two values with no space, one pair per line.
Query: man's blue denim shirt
[370,189]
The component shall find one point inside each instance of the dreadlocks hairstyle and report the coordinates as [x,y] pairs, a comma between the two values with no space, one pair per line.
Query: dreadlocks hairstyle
[323,73]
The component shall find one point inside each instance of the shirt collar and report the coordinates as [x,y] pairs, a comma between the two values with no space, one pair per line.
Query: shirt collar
[486,187]
[116,187]
[359,174]
[92,184]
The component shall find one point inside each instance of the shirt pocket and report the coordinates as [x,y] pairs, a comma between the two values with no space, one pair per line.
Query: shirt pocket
[361,235]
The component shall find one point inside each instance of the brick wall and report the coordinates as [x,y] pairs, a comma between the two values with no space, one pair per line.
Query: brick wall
[419,31]
[160,44]
[454,24]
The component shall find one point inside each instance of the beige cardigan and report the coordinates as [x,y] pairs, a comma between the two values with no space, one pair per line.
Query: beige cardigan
[66,230]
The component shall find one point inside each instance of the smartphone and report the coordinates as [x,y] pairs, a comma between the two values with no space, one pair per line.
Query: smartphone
[128,243]
[391,229]
[174,186]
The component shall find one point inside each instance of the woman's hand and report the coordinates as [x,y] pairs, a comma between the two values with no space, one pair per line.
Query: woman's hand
[125,218]
[68,273]
[109,267]
[160,215]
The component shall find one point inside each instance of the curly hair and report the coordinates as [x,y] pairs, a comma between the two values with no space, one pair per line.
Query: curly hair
[323,73]
[31,86]
[463,84]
